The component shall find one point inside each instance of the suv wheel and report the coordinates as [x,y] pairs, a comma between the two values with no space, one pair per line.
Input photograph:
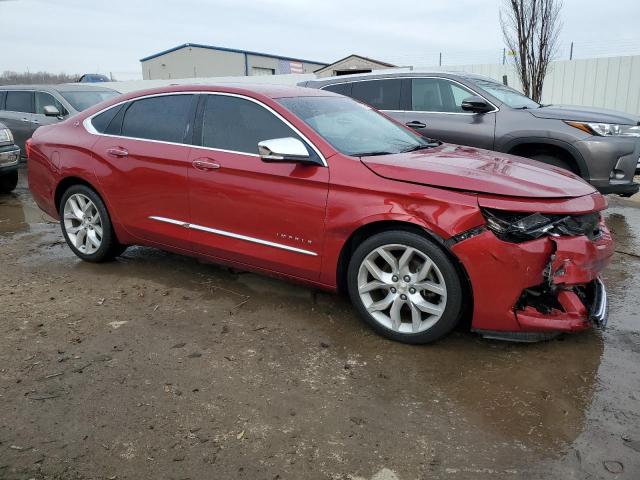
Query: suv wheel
[86,225]
[550,159]
[8,182]
[405,287]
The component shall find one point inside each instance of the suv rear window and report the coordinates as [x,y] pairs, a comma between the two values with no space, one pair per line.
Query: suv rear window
[166,118]
[19,101]
[341,88]
[380,94]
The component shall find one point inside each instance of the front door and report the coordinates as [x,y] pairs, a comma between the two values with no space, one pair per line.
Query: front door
[144,164]
[18,115]
[435,111]
[267,215]
[44,99]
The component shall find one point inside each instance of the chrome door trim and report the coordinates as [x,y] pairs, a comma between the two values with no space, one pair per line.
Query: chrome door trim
[88,126]
[411,77]
[233,235]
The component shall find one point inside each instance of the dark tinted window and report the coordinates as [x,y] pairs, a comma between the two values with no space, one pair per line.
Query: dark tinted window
[380,94]
[19,102]
[341,88]
[44,99]
[102,121]
[236,124]
[164,118]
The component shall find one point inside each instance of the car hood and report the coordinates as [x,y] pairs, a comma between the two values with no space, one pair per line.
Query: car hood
[585,114]
[476,170]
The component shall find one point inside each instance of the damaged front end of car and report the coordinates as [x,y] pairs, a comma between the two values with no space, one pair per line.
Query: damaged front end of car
[538,273]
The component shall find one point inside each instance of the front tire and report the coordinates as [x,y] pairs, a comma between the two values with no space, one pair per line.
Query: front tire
[405,287]
[86,225]
[9,182]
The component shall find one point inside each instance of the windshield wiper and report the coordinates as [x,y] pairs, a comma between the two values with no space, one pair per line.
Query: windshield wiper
[421,147]
[371,154]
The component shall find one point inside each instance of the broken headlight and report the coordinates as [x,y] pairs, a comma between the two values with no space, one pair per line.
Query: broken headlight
[521,227]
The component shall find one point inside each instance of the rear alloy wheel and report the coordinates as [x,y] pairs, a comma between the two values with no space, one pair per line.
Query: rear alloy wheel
[86,225]
[9,182]
[405,287]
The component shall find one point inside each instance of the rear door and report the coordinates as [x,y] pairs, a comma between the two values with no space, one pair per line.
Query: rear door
[18,115]
[144,155]
[268,215]
[434,109]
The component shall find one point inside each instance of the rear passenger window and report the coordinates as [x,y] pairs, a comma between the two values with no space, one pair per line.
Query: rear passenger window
[166,118]
[341,88]
[380,94]
[236,124]
[19,102]
[101,122]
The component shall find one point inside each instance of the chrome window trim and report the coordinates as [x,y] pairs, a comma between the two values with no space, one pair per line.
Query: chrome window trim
[237,236]
[496,108]
[88,126]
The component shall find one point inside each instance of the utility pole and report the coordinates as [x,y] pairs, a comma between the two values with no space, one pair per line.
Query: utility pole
[440,62]
[571,52]
[504,56]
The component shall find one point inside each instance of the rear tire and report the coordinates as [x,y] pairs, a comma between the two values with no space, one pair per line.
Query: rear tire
[9,182]
[86,225]
[405,287]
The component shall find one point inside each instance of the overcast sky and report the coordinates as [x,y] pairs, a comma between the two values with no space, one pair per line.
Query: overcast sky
[80,36]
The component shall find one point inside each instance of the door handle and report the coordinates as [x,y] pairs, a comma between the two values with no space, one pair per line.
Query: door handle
[416,124]
[205,164]
[117,152]
[26,120]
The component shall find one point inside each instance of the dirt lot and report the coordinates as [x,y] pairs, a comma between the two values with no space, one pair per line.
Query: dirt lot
[157,366]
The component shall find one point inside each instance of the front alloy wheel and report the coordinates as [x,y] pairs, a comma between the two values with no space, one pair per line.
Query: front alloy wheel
[405,287]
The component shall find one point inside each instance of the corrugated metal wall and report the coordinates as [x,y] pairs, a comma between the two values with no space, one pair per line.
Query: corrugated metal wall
[610,82]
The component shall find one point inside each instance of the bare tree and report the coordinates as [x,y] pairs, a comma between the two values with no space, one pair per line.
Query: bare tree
[531,29]
[29,78]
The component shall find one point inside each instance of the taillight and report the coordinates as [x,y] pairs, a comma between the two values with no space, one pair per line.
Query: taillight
[27,148]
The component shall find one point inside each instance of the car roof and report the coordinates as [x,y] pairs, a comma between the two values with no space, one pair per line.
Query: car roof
[63,87]
[265,90]
[380,74]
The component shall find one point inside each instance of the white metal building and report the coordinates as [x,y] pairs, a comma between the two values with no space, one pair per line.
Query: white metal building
[193,60]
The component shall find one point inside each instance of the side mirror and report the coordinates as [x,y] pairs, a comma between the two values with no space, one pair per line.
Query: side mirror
[283,150]
[476,104]
[51,111]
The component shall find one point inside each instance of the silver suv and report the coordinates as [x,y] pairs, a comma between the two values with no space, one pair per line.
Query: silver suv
[23,108]
[602,146]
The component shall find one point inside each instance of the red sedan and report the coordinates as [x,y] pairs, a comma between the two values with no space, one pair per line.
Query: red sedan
[318,188]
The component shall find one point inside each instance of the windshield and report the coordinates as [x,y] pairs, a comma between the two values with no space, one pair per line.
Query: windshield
[353,128]
[505,94]
[83,99]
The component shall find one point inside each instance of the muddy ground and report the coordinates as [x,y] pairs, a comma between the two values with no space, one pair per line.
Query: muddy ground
[158,366]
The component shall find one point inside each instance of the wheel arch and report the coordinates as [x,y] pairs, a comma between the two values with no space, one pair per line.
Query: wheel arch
[365,231]
[68,182]
[525,145]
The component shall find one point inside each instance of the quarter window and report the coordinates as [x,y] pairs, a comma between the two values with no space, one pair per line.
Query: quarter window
[102,121]
[238,125]
[45,99]
[341,88]
[166,118]
[380,94]
[437,95]
[19,101]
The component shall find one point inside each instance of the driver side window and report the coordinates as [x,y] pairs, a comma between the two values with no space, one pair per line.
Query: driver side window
[44,99]
[437,95]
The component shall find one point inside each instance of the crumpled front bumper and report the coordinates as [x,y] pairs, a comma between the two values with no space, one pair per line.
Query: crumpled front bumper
[566,268]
